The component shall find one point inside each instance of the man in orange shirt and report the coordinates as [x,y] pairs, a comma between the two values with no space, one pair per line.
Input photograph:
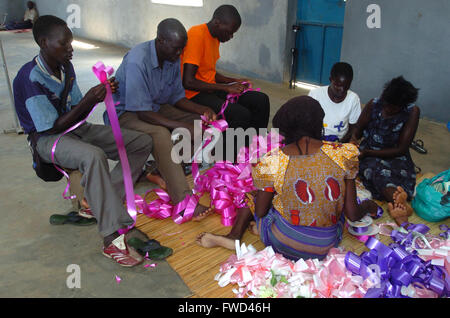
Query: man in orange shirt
[205,86]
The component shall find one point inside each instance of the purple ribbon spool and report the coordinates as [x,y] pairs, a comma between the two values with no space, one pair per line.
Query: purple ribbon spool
[360,230]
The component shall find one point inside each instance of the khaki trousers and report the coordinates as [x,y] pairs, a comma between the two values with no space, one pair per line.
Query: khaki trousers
[87,149]
[171,172]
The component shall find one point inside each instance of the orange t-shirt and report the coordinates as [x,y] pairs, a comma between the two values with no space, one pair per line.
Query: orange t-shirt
[201,50]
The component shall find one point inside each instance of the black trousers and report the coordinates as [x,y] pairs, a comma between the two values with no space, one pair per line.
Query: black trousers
[252,110]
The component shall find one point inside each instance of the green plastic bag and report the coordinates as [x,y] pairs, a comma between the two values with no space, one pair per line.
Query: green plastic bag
[432,199]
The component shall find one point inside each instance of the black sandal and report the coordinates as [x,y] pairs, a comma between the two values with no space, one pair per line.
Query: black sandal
[72,218]
[187,168]
[417,145]
[417,169]
[154,249]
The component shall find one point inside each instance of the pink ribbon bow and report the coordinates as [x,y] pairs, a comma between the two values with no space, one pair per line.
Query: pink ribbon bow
[162,208]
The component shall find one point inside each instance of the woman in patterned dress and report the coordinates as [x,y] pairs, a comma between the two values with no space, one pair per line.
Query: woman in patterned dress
[303,190]
[388,125]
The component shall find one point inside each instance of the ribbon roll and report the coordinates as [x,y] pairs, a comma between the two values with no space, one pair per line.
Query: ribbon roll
[360,230]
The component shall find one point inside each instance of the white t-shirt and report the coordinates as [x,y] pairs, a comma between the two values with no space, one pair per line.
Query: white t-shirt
[337,116]
[30,15]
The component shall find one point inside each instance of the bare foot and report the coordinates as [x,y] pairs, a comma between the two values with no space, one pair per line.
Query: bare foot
[85,204]
[401,197]
[398,212]
[209,240]
[201,212]
[253,228]
[156,179]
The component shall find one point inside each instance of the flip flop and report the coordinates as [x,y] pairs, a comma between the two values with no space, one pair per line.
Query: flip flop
[154,249]
[417,169]
[417,145]
[72,218]
[151,167]
[187,168]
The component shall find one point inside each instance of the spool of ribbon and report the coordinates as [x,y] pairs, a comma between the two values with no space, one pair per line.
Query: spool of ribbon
[363,229]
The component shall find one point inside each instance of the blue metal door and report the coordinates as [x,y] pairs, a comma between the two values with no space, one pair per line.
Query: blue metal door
[319,39]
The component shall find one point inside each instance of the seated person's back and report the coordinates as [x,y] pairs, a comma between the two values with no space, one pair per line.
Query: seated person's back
[303,189]
[313,185]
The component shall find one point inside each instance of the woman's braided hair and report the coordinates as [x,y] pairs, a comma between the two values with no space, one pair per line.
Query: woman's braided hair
[399,92]
[300,117]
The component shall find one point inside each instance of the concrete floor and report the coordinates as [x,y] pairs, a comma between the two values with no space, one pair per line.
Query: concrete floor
[34,255]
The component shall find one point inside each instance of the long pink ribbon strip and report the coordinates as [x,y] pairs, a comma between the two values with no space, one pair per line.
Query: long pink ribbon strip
[102,74]
[53,156]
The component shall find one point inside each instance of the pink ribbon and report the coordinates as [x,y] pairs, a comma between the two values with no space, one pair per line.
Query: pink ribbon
[233,98]
[228,183]
[110,71]
[53,156]
[268,274]
[161,208]
[102,74]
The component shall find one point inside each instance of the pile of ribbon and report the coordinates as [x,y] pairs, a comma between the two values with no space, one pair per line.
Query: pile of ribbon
[228,183]
[406,268]
[266,274]
[416,265]
[162,207]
